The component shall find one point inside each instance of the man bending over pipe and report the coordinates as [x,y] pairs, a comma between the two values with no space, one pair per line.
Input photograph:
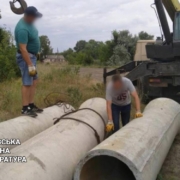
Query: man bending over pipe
[118,96]
[28,44]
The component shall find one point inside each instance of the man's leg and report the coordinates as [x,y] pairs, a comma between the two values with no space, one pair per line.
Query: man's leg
[26,91]
[26,88]
[126,114]
[32,91]
[35,80]
[31,99]
[116,115]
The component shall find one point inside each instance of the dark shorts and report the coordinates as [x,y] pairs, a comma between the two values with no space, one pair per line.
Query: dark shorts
[27,80]
[124,111]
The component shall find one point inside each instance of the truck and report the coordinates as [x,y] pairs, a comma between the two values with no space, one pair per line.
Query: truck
[157,73]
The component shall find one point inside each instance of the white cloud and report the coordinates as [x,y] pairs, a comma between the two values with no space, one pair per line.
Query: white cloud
[66,22]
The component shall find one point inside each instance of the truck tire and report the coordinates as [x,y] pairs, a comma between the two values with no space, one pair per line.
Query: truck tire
[172,92]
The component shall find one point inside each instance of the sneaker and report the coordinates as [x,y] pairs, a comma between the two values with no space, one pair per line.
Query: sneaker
[29,112]
[36,109]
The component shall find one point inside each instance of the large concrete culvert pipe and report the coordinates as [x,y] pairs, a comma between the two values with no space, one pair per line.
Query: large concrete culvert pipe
[54,153]
[138,150]
[23,128]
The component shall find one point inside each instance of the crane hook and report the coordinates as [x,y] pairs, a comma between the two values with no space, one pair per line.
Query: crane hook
[19,10]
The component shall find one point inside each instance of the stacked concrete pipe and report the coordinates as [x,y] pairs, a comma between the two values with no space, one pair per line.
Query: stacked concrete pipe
[23,128]
[138,150]
[54,153]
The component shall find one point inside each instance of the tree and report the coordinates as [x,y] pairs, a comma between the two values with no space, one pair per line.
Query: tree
[105,51]
[67,53]
[8,66]
[145,36]
[89,51]
[123,44]
[120,55]
[117,51]
[88,59]
[92,48]
[46,48]
[80,45]
[115,36]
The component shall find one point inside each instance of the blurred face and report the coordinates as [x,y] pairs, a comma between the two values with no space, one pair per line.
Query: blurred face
[30,19]
[117,85]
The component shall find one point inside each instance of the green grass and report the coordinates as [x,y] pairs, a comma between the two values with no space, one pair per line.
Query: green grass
[61,82]
[56,82]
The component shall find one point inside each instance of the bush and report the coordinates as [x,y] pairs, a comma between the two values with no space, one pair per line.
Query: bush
[8,66]
[80,58]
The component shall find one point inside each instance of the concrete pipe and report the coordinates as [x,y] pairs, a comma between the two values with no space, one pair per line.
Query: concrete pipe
[23,128]
[54,153]
[138,150]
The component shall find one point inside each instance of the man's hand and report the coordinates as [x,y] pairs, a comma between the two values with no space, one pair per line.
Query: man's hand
[32,70]
[138,115]
[109,126]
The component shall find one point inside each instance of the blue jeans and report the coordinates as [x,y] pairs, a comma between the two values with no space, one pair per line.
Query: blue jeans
[27,80]
[125,115]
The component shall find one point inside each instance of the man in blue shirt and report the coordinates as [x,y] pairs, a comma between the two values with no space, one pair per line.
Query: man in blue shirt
[28,44]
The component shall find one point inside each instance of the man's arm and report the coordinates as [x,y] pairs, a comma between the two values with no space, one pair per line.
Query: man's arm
[22,39]
[25,54]
[109,110]
[109,103]
[134,94]
[110,124]
[137,101]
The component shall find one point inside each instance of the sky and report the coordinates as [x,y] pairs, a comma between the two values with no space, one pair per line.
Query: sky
[67,21]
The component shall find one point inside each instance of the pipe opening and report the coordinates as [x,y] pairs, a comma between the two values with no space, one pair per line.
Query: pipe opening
[106,168]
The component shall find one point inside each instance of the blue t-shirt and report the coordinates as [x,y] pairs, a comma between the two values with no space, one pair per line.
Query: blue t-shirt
[27,34]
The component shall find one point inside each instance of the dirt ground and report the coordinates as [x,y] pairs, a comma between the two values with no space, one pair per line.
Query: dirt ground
[171,166]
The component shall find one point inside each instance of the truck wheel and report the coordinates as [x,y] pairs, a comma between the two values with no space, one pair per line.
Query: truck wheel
[172,92]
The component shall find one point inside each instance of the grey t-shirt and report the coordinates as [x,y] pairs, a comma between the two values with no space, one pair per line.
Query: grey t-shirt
[121,97]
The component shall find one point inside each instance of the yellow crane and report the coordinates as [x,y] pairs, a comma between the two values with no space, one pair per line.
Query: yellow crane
[172,6]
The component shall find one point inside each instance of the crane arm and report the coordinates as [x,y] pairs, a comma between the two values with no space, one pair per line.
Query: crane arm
[172,6]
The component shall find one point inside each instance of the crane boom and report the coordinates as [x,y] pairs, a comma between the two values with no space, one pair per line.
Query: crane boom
[172,6]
